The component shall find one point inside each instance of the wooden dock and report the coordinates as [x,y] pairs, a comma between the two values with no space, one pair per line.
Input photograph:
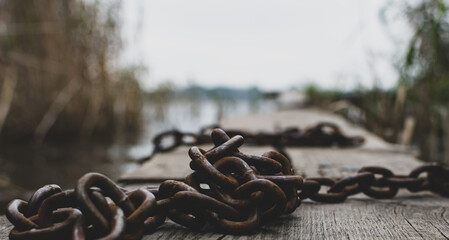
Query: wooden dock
[407,216]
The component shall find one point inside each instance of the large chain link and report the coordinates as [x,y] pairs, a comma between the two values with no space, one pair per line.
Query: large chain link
[323,134]
[229,191]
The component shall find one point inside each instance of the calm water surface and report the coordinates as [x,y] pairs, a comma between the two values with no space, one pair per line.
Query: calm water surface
[25,168]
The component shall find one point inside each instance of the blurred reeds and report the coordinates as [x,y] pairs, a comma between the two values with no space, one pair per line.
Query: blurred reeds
[418,107]
[425,74]
[58,80]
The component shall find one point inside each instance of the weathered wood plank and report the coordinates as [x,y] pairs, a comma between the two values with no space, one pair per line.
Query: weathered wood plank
[304,118]
[359,219]
[408,216]
[5,227]
[417,216]
[401,218]
[338,163]
[173,165]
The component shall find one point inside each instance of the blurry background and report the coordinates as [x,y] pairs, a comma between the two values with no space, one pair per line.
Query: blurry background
[85,85]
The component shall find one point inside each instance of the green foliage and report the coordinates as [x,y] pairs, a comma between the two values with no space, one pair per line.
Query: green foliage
[426,73]
[423,86]
[320,97]
[427,58]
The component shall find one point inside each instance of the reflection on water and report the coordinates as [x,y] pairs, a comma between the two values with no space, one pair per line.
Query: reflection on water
[191,116]
[27,167]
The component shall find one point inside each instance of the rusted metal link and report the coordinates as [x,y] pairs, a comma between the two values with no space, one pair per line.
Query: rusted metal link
[109,189]
[247,225]
[200,162]
[323,134]
[62,199]
[145,204]
[228,191]
[224,149]
[279,164]
[439,182]
[263,164]
[187,200]
[15,215]
[387,186]
[236,166]
[65,219]
[329,197]
[39,196]
[272,193]
[353,184]
[160,141]
[377,189]
[402,181]
[116,230]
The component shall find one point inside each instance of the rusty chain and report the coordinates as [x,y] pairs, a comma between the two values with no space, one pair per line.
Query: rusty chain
[323,134]
[229,191]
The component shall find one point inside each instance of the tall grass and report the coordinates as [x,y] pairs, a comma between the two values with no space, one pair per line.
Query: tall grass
[56,75]
[422,90]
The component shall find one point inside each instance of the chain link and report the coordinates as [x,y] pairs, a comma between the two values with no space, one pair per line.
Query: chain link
[323,134]
[229,191]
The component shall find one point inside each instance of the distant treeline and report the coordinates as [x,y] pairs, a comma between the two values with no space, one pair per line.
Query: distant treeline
[222,92]
[169,91]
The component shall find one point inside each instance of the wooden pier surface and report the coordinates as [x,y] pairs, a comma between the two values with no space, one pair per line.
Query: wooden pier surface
[407,216]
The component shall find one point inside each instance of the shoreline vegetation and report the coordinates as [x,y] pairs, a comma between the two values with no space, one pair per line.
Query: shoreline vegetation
[416,111]
[58,82]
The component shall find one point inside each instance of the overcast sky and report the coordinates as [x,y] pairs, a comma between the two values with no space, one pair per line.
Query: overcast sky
[272,44]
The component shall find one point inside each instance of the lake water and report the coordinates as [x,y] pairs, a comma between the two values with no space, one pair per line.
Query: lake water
[25,168]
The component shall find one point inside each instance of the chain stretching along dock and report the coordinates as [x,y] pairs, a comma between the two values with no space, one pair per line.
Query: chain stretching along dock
[408,215]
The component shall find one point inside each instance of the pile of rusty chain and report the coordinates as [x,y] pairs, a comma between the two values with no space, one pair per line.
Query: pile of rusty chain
[229,191]
[324,134]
